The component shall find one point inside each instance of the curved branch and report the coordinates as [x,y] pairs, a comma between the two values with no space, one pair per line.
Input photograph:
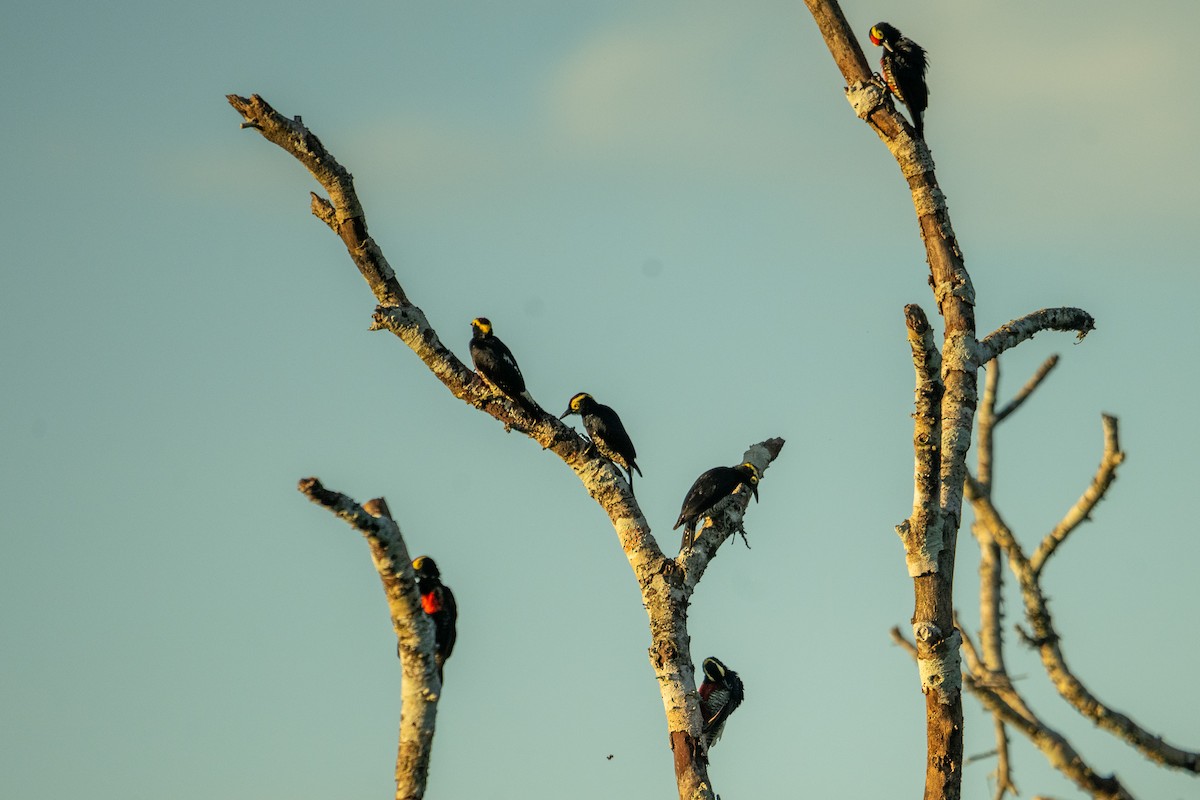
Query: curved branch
[1013,333]
[1106,473]
[419,686]
[1058,750]
[1045,639]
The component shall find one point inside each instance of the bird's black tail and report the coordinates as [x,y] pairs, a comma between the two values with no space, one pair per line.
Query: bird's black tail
[526,401]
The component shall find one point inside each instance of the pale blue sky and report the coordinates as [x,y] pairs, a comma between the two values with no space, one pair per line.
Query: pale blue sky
[669,205]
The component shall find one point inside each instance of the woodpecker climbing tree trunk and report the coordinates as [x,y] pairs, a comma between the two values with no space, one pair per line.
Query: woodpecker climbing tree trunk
[666,583]
[944,419]
[420,688]
[946,403]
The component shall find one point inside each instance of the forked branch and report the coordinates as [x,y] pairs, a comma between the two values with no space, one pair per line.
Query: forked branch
[666,584]
[1043,635]
[996,695]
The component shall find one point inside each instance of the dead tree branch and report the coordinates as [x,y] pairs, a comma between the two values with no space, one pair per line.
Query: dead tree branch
[933,625]
[420,689]
[999,698]
[922,532]
[1012,333]
[1106,473]
[1043,635]
[1032,384]
[666,584]
[931,538]
[990,661]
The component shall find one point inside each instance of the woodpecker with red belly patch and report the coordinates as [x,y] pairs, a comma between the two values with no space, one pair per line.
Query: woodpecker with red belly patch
[438,602]
[903,66]
[720,695]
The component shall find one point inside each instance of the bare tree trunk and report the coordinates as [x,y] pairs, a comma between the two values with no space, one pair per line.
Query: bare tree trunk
[935,528]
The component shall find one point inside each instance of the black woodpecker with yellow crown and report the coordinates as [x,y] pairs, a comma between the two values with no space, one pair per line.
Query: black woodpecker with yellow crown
[720,695]
[710,489]
[607,432]
[497,366]
[438,602]
[903,66]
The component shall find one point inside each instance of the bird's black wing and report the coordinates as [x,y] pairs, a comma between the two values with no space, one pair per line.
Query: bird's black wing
[494,360]
[910,65]
[704,493]
[733,694]
[506,358]
[607,426]
[447,632]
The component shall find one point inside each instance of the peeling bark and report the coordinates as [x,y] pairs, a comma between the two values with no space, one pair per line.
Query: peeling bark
[922,532]
[955,296]
[930,535]
[996,695]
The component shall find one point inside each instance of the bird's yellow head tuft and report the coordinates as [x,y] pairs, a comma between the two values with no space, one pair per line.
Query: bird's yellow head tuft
[483,325]
[425,567]
[884,34]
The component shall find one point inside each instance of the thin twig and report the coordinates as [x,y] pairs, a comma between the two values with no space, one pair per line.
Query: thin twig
[1106,473]
[998,698]
[1044,637]
[1032,384]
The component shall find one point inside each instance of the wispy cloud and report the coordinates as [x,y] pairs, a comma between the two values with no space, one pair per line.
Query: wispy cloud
[710,88]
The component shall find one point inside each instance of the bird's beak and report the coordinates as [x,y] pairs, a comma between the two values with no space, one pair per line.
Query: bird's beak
[565,414]
[754,491]
[887,47]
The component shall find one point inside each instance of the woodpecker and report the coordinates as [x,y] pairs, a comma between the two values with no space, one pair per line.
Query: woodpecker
[496,365]
[710,489]
[607,432]
[439,605]
[720,695]
[903,66]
